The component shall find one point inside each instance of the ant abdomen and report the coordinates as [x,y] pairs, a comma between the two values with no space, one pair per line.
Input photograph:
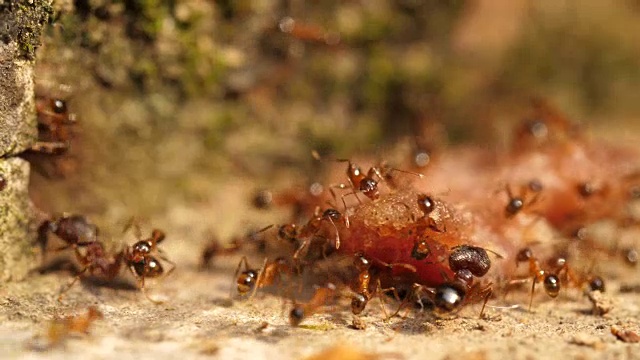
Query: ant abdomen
[472,258]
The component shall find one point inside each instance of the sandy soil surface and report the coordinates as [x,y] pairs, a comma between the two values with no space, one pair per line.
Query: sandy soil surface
[198,321]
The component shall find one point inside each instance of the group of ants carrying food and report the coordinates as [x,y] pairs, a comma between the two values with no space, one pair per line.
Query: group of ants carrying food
[463,227]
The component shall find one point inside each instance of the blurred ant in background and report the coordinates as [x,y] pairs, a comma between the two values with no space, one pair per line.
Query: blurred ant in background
[551,278]
[55,133]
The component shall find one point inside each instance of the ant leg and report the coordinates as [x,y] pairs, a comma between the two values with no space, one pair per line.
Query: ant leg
[259,279]
[163,257]
[70,285]
[51,148]
[337,242]
[533,286]
[302,247]
[395,296]
[134,223]
[489,291]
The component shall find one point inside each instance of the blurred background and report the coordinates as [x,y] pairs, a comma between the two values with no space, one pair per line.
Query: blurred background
[186,107]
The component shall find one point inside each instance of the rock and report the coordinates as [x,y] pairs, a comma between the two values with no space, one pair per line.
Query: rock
[16,253]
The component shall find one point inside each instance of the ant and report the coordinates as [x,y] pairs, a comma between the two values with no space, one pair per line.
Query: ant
[368,277]
[215,247]
[53,122]
[551,279]
[518,202]
[95,261]
[546,126]
[313,227]
[251,279]
[61,328]
[427,205]
[140,259]
[467,262]
[74,230]
[322,296]
[451,296]
[366,183]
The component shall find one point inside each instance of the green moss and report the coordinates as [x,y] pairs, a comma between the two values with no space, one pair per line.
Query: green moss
[22,22]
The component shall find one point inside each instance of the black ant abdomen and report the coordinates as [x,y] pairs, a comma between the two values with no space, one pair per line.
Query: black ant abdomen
[552,285]
[449,296]
[472,258]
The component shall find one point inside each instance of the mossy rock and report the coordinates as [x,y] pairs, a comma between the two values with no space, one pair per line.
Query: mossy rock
[16,252]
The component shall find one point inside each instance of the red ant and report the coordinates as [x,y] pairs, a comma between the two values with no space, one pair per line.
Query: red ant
[316,224]
[251,279]
[369,282]
[365,183]
[141,260]
[53,122]
[518,202]
[467,263]
[322,296]
[451,296]
[215,248]
[546,126]
[551,279]
[96,261]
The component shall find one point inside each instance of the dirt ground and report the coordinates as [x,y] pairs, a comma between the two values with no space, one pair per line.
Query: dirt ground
[197,320]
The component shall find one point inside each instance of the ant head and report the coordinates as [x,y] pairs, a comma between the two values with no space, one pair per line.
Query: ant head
[426,204]
[630,256]
[596,284]
[535,185]
[288,232]
[332,214]
[537,128]
[140,249]
[524,255]
[586,189]
[369,188]
[158,235]
[420,250]
[448,297]
[296,315]
[246,281]
[472,258]
[59,106]
[552,285]
[358,303]
[361,262]
[515,205]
